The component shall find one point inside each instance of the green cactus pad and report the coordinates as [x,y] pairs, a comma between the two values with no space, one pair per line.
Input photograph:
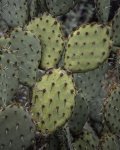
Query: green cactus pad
[59,7]
[116,29]
[8,76]
[86,141]
[53,100]
[79,115]
[91,84]
[28,54]
[87,48]
[17,130]
[103,10]
[88,81]
[109,142]
[14,12]
[48,31]
[112,111]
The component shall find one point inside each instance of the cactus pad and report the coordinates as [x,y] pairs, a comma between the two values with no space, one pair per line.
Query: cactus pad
[109,142]
[53,100]
[59,7]
[8,76]
[91,84]
[14,12]
[28,54]
[103,9]
[79,115]
[87,141]
[87,48]
[116,29]
[48,31]
[112,111]
[88,81]
[17,130]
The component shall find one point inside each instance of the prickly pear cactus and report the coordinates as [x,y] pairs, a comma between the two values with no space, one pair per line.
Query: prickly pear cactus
[53,100]
[59,7]
[63,68]
[17,130]
[103,10]
[14,12]
[87,48]
[112,112]
[109,142]
[86,141]
[28,54]
[116,29]
[79,115]
[8,76]
[48,31]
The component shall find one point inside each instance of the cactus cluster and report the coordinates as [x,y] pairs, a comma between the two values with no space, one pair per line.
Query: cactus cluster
[59,91]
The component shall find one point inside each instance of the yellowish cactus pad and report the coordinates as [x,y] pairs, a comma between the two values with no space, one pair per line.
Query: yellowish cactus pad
[87,48]
[53,100]
[49,33]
